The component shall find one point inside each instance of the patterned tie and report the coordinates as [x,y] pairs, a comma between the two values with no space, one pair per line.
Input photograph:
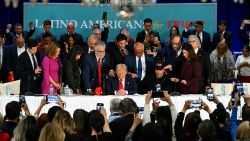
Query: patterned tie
[99,72]
[120,85]
[123,55]
[139,69]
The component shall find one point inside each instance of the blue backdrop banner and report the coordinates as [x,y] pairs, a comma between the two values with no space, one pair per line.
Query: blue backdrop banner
[163,15]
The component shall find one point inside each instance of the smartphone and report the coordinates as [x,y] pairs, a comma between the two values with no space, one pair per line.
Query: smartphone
[195,103]
[51,99]
[210,94]
[157,94]
[22,98]
[233,98]
[104,15]
[141,111]
[240,90]
[99,106]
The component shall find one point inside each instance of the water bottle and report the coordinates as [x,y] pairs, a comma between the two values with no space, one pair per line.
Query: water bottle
[51,89]
[66,90]
[8,89]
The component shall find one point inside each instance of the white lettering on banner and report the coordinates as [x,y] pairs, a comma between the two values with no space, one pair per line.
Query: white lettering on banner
[116,24]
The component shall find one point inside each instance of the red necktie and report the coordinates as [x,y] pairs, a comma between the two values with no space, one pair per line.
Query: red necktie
[99,72]
[120,85]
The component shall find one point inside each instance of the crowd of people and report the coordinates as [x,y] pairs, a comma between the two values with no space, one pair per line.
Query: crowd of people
[126,123]
[126,66]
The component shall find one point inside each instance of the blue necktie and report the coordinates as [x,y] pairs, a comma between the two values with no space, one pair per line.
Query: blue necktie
[139,69]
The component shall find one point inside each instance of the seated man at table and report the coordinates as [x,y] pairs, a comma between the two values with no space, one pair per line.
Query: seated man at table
[121,84]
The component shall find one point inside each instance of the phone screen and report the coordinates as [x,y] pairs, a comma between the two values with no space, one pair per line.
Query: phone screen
[195,103]
[157,94]
[51,99]
[99,106]
[210,94]
[21,98]
[240,90]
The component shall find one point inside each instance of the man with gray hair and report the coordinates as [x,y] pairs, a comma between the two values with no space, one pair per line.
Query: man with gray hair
[115,112]
[95,67]
[120,126]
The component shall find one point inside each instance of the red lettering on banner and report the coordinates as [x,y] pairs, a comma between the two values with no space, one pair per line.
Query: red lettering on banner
[181,24]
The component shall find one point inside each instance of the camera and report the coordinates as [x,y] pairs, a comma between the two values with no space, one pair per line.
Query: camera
[210,94]
[51,99]
[99,106]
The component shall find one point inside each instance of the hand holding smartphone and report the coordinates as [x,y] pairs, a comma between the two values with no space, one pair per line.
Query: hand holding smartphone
[99,106]
[51,99]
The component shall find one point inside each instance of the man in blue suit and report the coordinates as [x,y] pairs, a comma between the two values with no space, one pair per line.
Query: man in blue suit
[95,67]
[14,52]
[140,66]
[203,36]
[122,84]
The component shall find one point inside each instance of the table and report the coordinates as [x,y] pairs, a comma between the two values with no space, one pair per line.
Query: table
[88,103]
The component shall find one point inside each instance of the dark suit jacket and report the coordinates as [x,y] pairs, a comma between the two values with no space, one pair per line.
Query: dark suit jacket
[26,73]
[5,68]
[78,39]
[130,62]
[244,37]
[113,85]
[13,57]
[90,68]
[168,53]
[116,56]
[11,36]
[227,37]
[105,34]
[206,41]
[141,36]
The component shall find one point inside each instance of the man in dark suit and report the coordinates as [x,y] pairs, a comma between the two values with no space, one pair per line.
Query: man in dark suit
[28,69]
[4,60]
[11,37]
[222,35]
[244,34]
[71,32]
[143,36]
[119,52]
[46,29]
[122,84]
[140,66]
[95,67]
[15,51]
[203,36]
[204,59]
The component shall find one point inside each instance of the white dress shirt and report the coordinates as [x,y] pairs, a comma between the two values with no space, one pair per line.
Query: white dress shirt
[244,71]
[143,61]
[20,50]
[200,34]
[30,55]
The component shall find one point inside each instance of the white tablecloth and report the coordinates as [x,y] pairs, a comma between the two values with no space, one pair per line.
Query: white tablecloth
[88,103]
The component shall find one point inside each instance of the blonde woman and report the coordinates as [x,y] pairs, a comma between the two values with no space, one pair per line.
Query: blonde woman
[243,131]
[52,132]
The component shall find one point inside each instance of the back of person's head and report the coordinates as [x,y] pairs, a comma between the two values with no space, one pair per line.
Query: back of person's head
[152,132]
[26,130]
[128,105]
[46,22]
[96,120]
[12,110]
[191,124]
[206,130]
[164,119]
[79,118]
[64,120]
[243,131]
[52,112]
[47,34]
[42,120]
[121,37]
[220,115]
[32,43]
[52,132]
[246,113]
[114,105]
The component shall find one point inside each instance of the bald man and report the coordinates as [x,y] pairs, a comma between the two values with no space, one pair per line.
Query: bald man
[140,66]
[71,32]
